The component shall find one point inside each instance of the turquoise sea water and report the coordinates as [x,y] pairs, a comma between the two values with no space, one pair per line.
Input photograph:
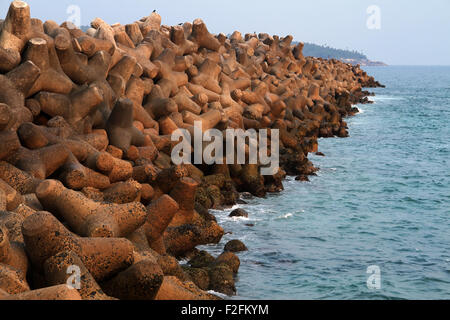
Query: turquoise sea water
[382,198]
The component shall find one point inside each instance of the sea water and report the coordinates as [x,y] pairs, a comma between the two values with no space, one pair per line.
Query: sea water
[381,198]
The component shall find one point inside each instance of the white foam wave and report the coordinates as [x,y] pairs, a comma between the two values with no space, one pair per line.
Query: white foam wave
[286,216]
[238,218]
[381,98]
[220,295]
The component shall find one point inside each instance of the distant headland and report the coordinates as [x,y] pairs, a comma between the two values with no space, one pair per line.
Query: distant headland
[353,57]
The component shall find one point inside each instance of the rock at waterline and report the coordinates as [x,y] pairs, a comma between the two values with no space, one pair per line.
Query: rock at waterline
[235,246]
[303,178]
[320,154]
[201,259]
[239,213]
[228,259]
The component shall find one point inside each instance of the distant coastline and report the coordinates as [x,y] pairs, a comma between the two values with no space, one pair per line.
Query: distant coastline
[348,56]
[365,62]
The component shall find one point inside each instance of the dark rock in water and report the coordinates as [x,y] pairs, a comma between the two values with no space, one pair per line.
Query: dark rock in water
[240,201]
[246,195]
[228,259]
[199,276]
[320,154]
[303,178]
[239,213]
[250,225]
[221,279]
[343,133]
[210,273]
[274,183]
[201,260]
[235,246]
[252,180]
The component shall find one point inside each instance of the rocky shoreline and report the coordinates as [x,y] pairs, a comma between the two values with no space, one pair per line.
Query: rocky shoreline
[87,183]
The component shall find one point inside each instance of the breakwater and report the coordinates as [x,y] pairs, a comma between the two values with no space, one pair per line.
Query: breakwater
[87,181]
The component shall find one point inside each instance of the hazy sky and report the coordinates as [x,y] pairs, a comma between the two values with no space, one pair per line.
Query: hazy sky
[411,33]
